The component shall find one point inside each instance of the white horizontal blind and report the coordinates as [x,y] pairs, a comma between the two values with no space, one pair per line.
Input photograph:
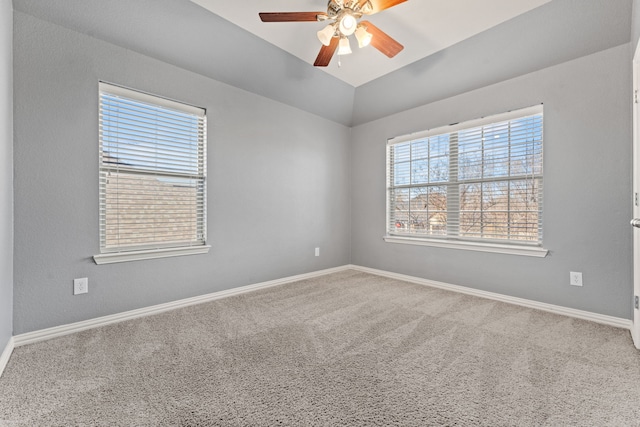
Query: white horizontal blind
[480,180]
[152,172]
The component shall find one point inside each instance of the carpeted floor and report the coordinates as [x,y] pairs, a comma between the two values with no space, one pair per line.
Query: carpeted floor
[346,349]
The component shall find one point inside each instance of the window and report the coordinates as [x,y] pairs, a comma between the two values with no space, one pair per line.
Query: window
[152,176]
[474,182]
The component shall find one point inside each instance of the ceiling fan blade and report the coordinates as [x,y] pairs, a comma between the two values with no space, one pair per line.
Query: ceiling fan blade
[326,53]
[380,5]
[382,41]
[290,16]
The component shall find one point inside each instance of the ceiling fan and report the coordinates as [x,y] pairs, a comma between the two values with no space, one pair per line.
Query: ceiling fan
[343,16]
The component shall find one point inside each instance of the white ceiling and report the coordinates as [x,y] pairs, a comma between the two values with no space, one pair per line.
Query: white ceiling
[422,26]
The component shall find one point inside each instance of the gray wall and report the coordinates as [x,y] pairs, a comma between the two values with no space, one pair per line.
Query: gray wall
[587,199]
[182,33]
[6,172]
[278,183]
[551,34]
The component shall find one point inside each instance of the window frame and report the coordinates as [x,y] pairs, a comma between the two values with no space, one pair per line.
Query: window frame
[504,246]
[150,248]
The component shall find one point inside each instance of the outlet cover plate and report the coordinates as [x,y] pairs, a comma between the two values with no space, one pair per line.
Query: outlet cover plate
[575,278]
[81,286]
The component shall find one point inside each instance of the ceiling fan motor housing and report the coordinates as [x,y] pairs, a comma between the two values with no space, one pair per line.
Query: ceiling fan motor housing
[337,7]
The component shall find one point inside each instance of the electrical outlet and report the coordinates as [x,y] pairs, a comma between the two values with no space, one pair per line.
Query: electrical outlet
[575,278]
[81,286]
[317,251]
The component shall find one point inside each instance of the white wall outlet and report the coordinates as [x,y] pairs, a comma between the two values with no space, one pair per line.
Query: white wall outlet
[575,278]
[317,251]
[81,286]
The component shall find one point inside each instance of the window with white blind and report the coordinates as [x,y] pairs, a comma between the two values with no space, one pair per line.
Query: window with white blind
[470,185]
[152,176]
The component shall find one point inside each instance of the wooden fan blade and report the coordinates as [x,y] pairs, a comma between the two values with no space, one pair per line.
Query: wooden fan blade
[326,53]
[290,16]
[382,41]
[380,5]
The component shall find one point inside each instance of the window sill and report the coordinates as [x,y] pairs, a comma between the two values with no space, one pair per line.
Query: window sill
[523,250]
[111,258]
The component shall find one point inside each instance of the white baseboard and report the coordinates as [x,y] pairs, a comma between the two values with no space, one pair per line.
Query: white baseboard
[6,354]
[58,331]
[570,312]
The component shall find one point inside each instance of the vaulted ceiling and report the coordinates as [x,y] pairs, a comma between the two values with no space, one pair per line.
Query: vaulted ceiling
[422,26]
[451,46]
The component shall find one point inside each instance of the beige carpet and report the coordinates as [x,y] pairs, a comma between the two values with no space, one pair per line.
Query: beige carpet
[347,349]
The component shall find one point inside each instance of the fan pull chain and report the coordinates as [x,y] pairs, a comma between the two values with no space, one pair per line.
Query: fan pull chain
[339,61]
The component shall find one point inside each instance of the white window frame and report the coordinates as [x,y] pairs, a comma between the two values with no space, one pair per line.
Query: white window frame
[149,170]
[512,247]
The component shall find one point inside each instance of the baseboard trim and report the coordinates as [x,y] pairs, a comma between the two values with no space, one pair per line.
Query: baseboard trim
[6,355]
[565,311]
[58,331]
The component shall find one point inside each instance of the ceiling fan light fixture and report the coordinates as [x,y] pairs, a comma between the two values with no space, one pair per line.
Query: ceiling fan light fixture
[326,34]
[348,24]
[364,37]
[344,48]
